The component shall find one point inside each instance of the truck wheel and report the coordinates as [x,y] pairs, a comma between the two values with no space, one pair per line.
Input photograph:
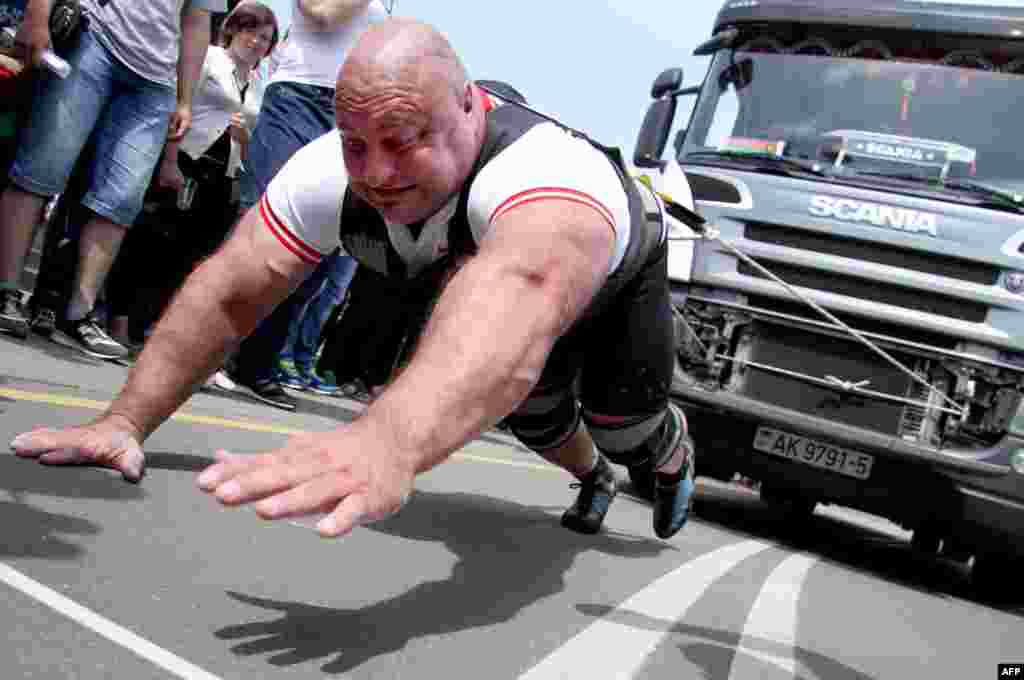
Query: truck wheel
[926,540]
[996,577]
[793,505]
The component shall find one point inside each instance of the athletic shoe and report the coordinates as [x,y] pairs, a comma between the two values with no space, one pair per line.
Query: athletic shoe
[322,384]
[44,322]
[269,392]
[289,375]
[12,316]
[88,336]
[673,492]
[597,491]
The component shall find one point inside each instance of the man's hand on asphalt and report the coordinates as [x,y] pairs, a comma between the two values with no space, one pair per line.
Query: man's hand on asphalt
[107,442]
[345,473]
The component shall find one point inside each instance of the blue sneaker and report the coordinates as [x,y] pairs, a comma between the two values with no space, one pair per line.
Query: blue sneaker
[673,492]
[325,384]
[288,375]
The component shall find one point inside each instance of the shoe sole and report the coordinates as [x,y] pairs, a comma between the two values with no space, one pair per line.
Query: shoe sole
[64,339]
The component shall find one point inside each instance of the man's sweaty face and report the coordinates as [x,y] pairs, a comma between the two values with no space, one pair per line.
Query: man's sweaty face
[400,150]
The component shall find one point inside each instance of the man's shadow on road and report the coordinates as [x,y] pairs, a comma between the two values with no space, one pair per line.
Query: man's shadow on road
[510,556]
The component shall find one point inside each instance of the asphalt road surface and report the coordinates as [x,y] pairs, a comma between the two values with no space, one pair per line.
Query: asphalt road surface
[473,579]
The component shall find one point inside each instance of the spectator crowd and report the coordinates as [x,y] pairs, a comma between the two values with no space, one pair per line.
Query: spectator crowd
[135,166]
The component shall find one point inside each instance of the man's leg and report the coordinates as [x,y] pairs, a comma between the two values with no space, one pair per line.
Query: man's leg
[63,113]
[21,211]
[129,140]
[624,389]
[292,115]
[340,270]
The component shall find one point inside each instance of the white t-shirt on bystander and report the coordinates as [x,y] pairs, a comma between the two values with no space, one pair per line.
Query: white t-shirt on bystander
[313,56]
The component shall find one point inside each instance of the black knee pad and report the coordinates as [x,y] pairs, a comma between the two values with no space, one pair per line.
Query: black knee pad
[546,421]
[636,441]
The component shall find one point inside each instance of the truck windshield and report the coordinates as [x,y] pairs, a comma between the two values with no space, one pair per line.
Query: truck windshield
[946,120]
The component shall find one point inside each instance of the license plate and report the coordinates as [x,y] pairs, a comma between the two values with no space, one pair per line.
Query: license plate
[813,452]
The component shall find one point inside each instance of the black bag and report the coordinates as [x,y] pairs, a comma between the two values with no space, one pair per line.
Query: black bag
[67,21]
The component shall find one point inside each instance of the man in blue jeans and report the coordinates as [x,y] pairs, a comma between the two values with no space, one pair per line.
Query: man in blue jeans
[297,359]
[298,107]
[126,67]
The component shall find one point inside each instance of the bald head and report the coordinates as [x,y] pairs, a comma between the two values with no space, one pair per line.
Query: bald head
[402,50]
[411,122]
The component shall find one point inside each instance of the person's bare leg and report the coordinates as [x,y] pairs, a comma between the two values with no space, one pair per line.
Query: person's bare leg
[19,213]
[100,242]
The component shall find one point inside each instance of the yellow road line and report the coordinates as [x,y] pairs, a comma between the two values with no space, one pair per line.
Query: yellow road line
[96,405]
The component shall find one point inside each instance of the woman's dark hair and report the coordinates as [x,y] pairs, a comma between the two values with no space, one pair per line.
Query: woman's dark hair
[248,15]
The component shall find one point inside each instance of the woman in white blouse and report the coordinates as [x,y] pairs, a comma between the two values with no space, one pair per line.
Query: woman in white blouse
[228,95]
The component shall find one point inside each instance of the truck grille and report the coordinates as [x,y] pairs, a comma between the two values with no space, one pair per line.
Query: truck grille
[865,325]
[940,265]
[875,291]
[807,353]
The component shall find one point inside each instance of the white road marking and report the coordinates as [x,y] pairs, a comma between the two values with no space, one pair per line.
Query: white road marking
[108,629]
[771,623]
[665,600]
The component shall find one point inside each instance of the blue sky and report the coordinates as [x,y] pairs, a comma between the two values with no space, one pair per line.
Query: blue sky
[588,62]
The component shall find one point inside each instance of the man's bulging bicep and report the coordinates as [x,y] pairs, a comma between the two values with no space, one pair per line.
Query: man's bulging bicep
[486,343]
[563,247]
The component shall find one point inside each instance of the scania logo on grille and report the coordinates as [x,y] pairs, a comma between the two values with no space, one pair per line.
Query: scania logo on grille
[849,210]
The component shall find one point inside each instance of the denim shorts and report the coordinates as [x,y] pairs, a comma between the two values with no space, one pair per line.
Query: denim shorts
[127,114]
[292,115]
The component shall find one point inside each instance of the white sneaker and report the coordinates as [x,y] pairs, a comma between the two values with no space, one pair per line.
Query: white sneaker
[220,380]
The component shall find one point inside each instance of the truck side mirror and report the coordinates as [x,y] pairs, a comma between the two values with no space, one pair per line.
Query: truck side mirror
[650,143]
[668,81]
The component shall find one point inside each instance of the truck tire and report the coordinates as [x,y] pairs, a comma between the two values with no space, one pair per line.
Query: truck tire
[995,577]
[926,540]
[793,505]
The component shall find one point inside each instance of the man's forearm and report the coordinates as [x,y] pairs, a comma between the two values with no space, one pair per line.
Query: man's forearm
[214,310]
[195,40]
[329,14]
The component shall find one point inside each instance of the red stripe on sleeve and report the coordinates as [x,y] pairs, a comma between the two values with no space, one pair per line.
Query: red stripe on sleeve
[302,250]
[559,193]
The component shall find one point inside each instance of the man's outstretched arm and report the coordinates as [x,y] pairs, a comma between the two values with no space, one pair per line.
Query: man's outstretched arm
[220,303]
[486,343]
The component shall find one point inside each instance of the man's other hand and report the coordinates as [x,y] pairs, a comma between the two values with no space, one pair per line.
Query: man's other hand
[345,473]
[109,442]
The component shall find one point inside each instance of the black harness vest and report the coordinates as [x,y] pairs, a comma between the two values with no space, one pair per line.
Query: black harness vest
[364,234]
